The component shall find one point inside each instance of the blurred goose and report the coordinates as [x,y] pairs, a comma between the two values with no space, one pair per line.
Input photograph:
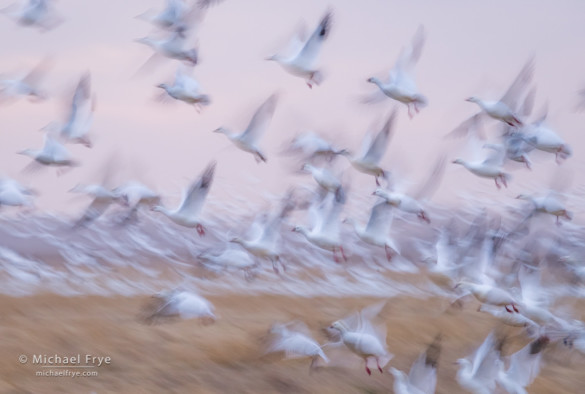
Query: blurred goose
[77,127]
[228,258]
[376,231]
[412,205]
[363,339]
[312,146]
[504,109]
[53,154]
[510,319]
[295,341]
[479,376]
[491,167]
[13,194]
[37,13]
[135,195]
[184,304]
[524,367]
[489,294]
[177,14]
[422,378]
[328,182]
[172,47]
[401,86]
[548,204]
[248,139]
[264,243]
[372,151]
[102,199]
[186,89]
[325,232]
[303,62]
[188,212]
[541,137]
[25,86]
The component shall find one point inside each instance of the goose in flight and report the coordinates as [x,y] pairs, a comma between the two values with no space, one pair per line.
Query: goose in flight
[422,378]
[311,146]
[325,232]
[186,89]
[400,85]
[183,304]
[102,199]
[491,295]
[360,336]
[410,204]
[373,150]
[249,138]
[25,86]
[504,109]
[543,138]
[479,375]
[327,181]
[135,195]
[548,204]
[172,47]
[295,341]
[524,366]
[77,127]
[177,14]
[53,153]
[303,62]
[36,13]
[376,231]
[188,212]
[491,167]
[264,244]
[13,194]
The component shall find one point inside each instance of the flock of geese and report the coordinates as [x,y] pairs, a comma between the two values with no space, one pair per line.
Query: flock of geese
[494,262]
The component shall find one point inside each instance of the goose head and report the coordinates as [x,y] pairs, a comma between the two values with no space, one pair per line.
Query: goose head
[473,99]
[339,326]
[274,58]
[191,56]
[29,152]
[458,161]
[222,130]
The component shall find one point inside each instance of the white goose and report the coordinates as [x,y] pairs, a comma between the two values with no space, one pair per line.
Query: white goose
[37,13]
[548,204]
[326,180]
[135,195]
[177,14]
[363,339]
[77,127]
[311,145]
[295,341]
[186,89]
[401,86]
[412,205]
[524,367]
[13,194]
[479,376]
[373,150]
[188,212]
[184,304]
[102,199]
[504,109]
[489,294]
[53,154]
[25,86]
[265,243]
[491,167]
[172,47]
[543,138]
[303,62]
[422,378]
[376,231]
[325,232]
[248,139]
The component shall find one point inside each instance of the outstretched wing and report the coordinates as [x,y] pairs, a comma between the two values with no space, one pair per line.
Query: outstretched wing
[430,186]
[409,56]
[308,55]
[380,218]
[260,120]
[510,98]
[195,196]
[380,143]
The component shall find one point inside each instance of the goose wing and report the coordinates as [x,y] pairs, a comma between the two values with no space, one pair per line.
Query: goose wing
[197,192]
[524,78]
[379,144]
[308,55]
[260,120]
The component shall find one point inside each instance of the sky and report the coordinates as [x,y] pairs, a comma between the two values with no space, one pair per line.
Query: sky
[472,48]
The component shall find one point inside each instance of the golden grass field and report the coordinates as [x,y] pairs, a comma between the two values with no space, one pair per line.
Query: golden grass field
[228,356]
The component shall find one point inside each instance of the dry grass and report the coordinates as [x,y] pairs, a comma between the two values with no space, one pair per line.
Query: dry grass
[227,357]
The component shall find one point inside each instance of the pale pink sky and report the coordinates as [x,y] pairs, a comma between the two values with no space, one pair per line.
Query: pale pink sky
[472,48]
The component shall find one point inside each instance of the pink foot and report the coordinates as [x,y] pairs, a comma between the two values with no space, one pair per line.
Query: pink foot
[508,309]
[343,253]
[379,368]
[200,230]
[368,370]
[388,253]
[515,309]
